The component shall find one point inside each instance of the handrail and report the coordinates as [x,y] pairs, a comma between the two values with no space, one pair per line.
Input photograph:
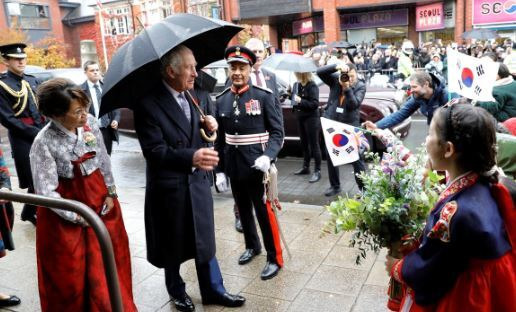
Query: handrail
[94,221]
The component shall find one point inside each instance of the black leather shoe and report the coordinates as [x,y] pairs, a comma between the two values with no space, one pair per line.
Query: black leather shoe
[226,300]
[332,191]
[316,176]
[270,270]
[247,256]
[303,170]
[183,303]
[238,225]
[30,218]
[9,302]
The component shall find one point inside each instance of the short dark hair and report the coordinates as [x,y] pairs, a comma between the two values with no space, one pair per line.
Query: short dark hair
[503,71]
[471,129]
[89,63]
[352,66]
[56,95]
[491,55]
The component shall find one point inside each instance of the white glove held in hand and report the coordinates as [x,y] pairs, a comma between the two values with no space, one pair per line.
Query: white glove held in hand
[222,182]
[262,163]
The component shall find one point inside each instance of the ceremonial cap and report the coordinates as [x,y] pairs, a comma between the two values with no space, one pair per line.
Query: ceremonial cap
[14,50]
[240,54]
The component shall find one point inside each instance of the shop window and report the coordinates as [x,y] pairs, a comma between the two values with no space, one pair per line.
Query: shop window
[445,35]
[308,40]
[391,35]
[28,16]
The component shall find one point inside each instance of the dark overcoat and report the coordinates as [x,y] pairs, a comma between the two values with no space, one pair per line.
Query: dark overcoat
[179,219]
[23,127]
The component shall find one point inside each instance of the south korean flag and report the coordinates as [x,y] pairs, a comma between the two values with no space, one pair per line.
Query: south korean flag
[471,77]
[341,142]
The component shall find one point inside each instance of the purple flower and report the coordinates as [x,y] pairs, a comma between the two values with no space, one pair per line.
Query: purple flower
[387,170]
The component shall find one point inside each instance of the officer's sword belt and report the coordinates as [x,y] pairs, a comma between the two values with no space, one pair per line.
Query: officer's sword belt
[247,139]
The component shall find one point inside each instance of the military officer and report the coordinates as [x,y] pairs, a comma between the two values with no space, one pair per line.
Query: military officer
[250,136]
[19,114]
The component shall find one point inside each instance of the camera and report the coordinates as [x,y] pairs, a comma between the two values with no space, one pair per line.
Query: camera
[344,77]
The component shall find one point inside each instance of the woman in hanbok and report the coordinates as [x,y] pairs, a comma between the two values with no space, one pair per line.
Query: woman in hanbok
[465,260]
[69,160]
[6,226]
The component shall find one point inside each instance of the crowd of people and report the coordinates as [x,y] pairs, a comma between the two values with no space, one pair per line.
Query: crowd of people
[373,58]
[65,148]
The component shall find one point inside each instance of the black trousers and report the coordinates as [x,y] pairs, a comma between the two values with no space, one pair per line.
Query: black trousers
[309,132]
[107,134]
[248,193]
[333,172]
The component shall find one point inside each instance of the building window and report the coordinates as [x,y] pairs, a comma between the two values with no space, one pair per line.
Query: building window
[28,16]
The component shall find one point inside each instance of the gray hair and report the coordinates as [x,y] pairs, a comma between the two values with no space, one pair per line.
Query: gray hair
[173,58]
[421,78]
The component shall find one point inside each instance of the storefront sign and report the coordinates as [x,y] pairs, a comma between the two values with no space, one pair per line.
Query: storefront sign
[429,17]
[308,25]
[449,14]
[374,19]
[486,12]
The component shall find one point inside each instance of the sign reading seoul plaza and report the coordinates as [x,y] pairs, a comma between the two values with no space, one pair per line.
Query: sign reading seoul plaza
[487,12]
[429,17]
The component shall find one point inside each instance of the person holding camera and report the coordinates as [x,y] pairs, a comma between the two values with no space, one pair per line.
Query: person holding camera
[305,104]
[346,96]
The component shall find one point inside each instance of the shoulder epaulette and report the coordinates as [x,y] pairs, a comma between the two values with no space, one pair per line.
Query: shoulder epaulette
[263,89]
[221,93]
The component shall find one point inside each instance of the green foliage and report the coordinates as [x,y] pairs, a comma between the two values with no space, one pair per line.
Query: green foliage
[395,202]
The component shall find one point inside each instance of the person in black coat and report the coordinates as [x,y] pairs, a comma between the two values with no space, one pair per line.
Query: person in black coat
[305,104]
[108,123]
[179,221]
[20,116]
[346,96]
[250,137]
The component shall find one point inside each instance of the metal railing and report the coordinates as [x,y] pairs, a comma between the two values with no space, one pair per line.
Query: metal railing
[94,221]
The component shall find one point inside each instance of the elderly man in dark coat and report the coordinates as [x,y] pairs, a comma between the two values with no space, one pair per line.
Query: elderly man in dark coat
[179,219]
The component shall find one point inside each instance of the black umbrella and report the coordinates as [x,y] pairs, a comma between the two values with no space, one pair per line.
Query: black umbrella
[134,69]
[480,34]
[341,45]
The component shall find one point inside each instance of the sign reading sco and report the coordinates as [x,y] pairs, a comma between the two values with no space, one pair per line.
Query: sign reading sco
[429,17]
[486,12]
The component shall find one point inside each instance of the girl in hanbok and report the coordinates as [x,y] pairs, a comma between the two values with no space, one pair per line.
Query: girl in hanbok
[465,260]
[6,226]
[69,160]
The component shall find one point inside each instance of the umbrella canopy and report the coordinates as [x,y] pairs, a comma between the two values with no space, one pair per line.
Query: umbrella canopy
[342,45]
[480,34]
[290,62]
[134,69]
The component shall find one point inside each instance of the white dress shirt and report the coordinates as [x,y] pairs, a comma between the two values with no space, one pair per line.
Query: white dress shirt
[93,93]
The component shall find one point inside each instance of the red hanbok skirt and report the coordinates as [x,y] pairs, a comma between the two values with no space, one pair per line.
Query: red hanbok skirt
[70,267]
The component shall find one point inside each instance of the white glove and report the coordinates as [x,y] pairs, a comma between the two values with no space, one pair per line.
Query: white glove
[221,182]
[262,163]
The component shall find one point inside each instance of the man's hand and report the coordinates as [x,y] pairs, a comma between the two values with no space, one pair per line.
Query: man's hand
[221,182]
[205,159]
[369,125]
[343,68]
[210,123]
[114,124]
[262,163]
[345,85]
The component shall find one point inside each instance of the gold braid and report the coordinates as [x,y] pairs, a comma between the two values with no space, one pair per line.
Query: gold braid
[19,94]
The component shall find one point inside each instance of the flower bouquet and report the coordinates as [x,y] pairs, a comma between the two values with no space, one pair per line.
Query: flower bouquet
[392,208]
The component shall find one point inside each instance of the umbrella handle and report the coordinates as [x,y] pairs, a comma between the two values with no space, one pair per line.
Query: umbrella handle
[207,138]
[204,136]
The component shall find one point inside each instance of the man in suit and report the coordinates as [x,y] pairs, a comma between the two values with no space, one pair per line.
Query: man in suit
[250,137]
[179,221]
[108,123]
[19,115]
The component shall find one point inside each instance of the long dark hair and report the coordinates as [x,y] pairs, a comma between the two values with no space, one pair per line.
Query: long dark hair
[472,131]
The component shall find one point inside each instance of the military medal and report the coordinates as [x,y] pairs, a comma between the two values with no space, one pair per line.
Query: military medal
[235,106]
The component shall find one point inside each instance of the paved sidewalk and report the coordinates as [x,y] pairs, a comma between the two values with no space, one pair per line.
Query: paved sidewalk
[321,276]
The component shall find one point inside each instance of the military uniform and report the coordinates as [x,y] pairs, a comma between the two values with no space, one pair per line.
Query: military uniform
[250,126]
[19,114]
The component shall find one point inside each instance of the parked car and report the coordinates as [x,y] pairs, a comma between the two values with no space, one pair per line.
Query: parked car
[74,74]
